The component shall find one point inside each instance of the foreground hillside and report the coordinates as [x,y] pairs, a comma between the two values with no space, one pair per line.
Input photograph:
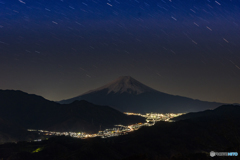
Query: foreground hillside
[20,111]
[10,132]
[190,139]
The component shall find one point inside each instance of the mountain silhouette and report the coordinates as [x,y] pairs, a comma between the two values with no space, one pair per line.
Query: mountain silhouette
[20,111]
[129,95]
[84,116]
[220,112]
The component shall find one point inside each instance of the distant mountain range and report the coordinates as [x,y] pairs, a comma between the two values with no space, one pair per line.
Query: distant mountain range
[20,111]
[129,95]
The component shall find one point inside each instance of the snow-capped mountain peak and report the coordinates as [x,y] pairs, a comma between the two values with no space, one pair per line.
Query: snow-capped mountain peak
[125,84]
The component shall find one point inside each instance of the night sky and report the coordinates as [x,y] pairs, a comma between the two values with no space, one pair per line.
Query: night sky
[61,48]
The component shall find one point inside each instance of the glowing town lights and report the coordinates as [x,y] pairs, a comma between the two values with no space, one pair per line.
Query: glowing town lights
[151,118]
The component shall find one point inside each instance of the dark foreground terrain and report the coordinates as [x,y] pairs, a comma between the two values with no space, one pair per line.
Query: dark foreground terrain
[188,139]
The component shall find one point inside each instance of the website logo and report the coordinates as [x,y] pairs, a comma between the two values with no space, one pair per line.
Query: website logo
[213,154]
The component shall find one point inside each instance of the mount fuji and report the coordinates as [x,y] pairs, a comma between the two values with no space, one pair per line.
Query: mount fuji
[129,95]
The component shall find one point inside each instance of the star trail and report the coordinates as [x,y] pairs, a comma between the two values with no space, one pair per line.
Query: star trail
[60,49]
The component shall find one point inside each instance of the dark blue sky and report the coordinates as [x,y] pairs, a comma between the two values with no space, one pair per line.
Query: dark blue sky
[60,49]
